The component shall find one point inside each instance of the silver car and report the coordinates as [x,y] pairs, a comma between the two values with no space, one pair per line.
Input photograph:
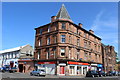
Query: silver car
[38,72]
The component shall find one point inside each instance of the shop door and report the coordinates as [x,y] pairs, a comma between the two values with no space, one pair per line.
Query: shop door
[62,69]
[20,67]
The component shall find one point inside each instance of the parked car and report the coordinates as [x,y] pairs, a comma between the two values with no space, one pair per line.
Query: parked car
[13,69]
[110,73]
[38,72]
[101,73]
[92,73]
[5,68]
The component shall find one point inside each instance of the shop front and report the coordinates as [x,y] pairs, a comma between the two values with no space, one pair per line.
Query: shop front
[77,68]
[93,67]
[25,65]
[100,68]
[49,67]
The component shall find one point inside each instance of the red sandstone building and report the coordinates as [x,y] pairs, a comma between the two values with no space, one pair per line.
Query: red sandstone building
[65,48]
[108,58]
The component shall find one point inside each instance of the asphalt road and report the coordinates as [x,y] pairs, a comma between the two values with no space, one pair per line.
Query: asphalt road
[23,76]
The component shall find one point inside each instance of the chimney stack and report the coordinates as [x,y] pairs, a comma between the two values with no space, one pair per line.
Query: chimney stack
[80,25]
[91,31]
[53,18]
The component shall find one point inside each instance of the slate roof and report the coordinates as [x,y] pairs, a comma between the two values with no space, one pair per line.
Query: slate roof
[63,14]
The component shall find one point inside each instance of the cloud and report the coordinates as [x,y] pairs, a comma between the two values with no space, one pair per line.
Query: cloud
[103,20]
[96,22]
[105,25]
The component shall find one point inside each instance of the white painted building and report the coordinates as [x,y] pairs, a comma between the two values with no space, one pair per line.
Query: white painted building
[11,56]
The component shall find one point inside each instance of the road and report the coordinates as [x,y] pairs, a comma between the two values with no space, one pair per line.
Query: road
[23,76]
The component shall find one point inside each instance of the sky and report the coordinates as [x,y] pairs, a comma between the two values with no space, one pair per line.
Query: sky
[20,19]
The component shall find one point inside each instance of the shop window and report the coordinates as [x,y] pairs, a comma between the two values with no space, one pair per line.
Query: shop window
[72,70]
[79,70]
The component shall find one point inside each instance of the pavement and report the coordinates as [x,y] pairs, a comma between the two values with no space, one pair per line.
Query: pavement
[26,76]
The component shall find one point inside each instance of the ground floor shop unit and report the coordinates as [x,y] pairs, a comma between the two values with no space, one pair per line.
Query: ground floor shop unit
[10,62]
[25,66]
[63,68]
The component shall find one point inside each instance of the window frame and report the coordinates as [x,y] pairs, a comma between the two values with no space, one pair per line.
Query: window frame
[63,39]
[62,52]
[63,27]
[41,30]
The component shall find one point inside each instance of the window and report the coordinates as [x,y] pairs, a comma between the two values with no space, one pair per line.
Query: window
[55,39]
[49,28]
[63,26]
[85,44]
[85,56]
[40,42]
[62,38]
[70,39]
[98,48]
[62,51]
[95,39]
[89,45]
[84,34]
[54,52]
[78,42]
[77,31]
[95,46]
[89,55]
[70,26]
[48,53]
[69,53]
[88,36]
[40,31]
[48,41]
[78,54]
[96,57]
[39,52]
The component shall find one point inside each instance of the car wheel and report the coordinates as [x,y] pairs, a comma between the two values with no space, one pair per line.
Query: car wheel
[98,75]
[38,74]
[31,74]
[93,76]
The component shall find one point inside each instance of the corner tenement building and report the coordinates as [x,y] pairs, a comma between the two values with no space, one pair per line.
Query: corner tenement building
[64,48]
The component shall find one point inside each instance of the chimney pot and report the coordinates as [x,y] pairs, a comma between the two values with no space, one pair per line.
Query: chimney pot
[91,31]
[53,18]
[80,24]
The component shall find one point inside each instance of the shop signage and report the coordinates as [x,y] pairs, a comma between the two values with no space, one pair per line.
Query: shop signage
[77,63]
[93,64]
[99,65]
[47,62]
